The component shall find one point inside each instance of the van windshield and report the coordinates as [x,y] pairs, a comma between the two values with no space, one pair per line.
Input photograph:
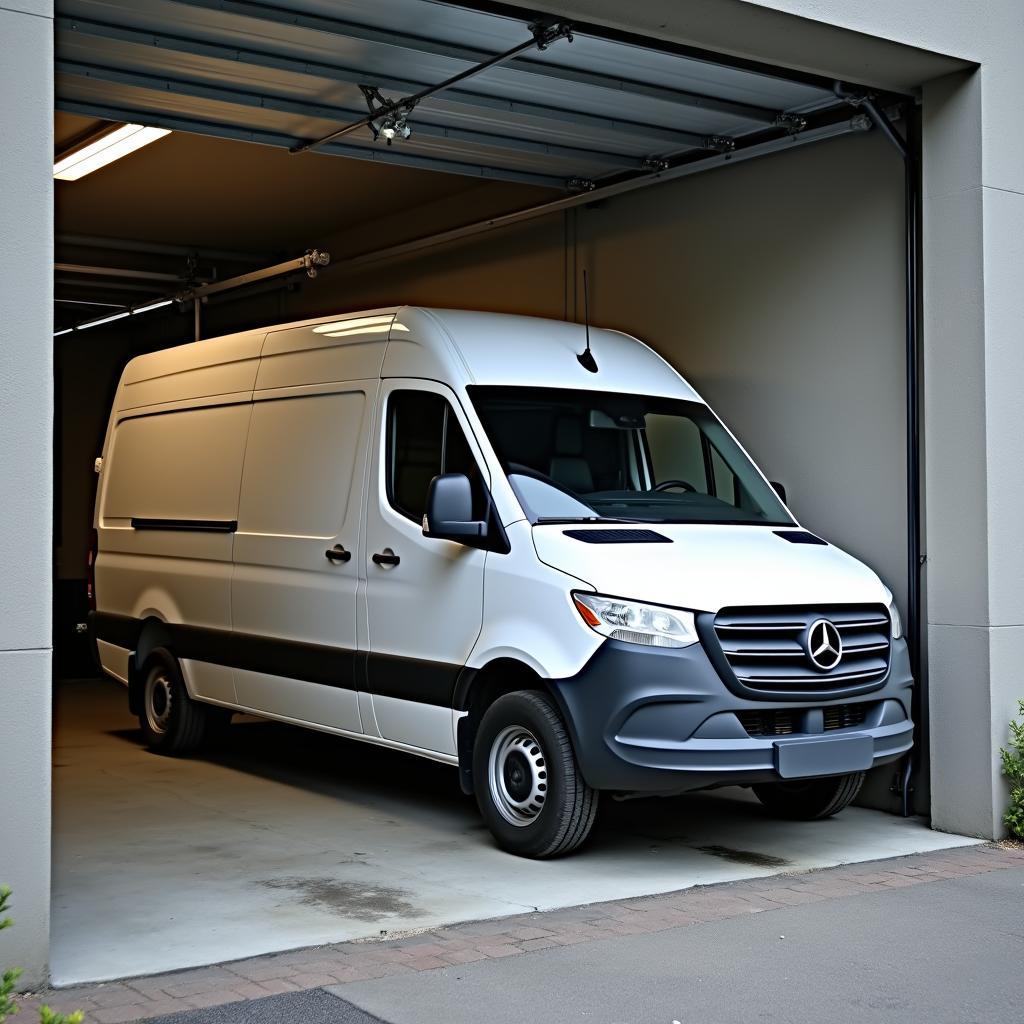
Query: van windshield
[590,456]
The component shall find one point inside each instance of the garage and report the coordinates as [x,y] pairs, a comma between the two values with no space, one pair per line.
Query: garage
[757,225]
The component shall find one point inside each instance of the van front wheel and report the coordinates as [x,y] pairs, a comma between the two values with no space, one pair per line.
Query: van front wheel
[528,786]
[172,723]
[810,799]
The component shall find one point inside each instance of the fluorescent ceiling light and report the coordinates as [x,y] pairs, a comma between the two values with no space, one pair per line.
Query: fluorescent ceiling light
[105,319]
[152,305]
[67,330]
[105,150]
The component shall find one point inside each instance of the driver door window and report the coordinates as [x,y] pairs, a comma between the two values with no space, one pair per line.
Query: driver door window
[425,440]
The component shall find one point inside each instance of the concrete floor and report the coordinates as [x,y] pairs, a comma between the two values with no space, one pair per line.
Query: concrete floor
[286,838]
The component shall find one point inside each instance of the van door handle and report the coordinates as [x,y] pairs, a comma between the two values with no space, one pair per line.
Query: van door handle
[386,557]
[338,553]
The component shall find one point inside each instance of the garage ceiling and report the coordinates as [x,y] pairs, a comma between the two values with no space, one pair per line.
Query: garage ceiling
[589,111]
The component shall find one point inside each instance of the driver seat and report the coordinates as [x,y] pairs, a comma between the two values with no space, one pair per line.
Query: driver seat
[568,467]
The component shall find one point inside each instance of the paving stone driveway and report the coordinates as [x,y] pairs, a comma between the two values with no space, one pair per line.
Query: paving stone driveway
[141,998]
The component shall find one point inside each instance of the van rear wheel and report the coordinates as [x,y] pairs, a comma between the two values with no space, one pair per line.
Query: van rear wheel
[528,785]
[810,799]
[172,723]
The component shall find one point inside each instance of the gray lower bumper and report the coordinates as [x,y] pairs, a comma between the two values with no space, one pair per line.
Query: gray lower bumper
[655,720]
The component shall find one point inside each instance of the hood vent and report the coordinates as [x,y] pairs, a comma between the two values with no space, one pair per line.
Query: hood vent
[800,537]
[618,536]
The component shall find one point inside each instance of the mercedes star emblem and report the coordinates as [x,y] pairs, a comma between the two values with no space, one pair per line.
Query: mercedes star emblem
[824,645]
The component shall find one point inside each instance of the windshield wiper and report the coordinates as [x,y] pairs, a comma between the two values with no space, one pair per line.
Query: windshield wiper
[555,520]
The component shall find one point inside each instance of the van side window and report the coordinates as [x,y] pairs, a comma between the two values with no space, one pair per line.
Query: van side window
[424,439]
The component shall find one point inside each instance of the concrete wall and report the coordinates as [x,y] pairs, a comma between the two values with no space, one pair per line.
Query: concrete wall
[26,229]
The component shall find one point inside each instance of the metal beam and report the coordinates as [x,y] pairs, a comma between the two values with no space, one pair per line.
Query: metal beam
[142,275]
[385,155]
[155,249]
[472,102]
[470,55]
[104,286]
[309,262]
[607,192]
[265,101]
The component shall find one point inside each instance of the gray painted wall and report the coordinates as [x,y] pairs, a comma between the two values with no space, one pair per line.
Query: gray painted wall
[26,228]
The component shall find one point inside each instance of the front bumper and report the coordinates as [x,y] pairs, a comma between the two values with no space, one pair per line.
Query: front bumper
[662,720]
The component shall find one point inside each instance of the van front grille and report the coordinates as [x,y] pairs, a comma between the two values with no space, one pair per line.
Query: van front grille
[767,651]
[786,721]
[767,723]
[845,716]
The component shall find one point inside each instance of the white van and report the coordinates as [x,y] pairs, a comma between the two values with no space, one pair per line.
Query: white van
[462,536]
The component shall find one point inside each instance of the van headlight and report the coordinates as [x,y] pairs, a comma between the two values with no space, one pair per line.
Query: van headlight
[895,620]
[636,623]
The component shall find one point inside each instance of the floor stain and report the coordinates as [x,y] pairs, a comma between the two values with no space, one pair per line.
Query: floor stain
[352,899]
[762,860]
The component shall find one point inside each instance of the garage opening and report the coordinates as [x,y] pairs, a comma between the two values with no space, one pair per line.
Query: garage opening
[316,158]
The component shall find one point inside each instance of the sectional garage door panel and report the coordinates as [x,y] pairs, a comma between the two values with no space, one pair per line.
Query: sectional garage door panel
[576,113]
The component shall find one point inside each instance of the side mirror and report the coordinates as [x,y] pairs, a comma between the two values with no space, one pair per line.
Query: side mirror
[449,514]
[780,490]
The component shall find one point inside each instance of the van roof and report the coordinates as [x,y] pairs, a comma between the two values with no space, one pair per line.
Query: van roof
[506,349]
[456,346]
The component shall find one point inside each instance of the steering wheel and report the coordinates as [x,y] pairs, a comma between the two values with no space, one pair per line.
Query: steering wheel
[666,485]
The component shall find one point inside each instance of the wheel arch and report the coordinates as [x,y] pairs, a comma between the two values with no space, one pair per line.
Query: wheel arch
[477,689]
[153,634]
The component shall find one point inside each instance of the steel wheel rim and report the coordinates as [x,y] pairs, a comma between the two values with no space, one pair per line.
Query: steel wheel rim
[517,776]
[159,701]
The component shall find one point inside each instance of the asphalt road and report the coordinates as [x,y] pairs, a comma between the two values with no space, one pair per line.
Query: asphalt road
[949,952]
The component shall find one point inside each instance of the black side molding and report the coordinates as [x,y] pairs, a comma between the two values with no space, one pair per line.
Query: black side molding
[186,525]
[429,682]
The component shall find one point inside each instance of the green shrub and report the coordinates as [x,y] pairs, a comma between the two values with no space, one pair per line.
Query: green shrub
[8,1008]
[1013,769]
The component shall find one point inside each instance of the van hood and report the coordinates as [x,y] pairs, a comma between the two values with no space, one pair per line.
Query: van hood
[710,567]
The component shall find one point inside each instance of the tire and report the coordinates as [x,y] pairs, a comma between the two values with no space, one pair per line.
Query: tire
[528,785]
[172,723]
[810,799]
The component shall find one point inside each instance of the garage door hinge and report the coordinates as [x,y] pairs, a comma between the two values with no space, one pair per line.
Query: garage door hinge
[655,164]
[719,143]
[793,123]
[580,185]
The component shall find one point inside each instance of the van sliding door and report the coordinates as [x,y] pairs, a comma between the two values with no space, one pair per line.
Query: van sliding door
[296,574]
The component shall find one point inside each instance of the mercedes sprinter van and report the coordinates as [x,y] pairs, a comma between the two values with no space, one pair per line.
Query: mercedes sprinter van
[492,542]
